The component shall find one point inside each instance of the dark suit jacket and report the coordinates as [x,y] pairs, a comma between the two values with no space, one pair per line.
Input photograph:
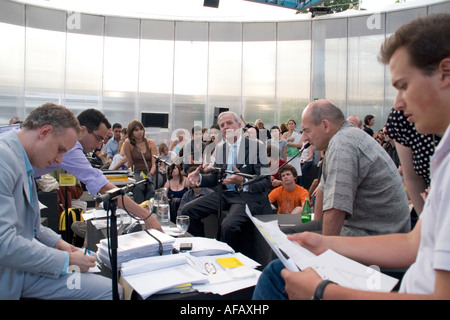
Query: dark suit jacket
[252,159]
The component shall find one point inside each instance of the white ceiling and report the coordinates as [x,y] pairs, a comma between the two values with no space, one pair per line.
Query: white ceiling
[229,10]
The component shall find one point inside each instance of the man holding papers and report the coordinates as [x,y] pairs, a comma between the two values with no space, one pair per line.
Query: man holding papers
[418,55]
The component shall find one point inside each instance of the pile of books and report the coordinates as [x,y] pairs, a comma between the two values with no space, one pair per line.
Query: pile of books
[136,245]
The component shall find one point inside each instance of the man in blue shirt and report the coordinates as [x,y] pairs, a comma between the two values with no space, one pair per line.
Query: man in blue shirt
[112,147]
[94,128]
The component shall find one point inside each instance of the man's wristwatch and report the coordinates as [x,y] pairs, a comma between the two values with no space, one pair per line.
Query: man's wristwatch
[318,294]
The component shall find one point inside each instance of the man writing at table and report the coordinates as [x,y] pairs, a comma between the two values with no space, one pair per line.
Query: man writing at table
[34,260]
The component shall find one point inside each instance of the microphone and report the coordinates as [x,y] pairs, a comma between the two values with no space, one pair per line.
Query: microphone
[158,159]
[306,146]
[133,143]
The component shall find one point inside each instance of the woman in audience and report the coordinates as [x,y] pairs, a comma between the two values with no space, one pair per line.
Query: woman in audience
[138,151]
[177,185]
[177,144]
[293,139]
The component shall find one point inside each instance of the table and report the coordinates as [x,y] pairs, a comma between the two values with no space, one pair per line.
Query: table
[263,255]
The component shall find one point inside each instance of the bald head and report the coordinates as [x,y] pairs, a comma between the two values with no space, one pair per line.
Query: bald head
[322,109]
[320,121]
[355,120]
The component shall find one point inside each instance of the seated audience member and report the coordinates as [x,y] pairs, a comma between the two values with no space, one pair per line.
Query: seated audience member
[138,151]
[236,153]
[193,149]
[34,260]
[165,155]
[360,191]
[113,144]
[210,150]
[418,54]
[193,193]
[306,160]
[176,184]
[177,144]
[119,161]
[278,142]
[275,162]
[263,134]
[94,127]
[289,197]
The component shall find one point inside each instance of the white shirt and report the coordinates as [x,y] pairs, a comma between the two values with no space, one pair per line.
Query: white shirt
[434,248]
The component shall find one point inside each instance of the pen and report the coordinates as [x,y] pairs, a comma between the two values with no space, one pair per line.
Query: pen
[86,250]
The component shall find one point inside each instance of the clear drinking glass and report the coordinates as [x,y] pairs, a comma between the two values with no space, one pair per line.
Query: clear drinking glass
[183,224]
[164,214]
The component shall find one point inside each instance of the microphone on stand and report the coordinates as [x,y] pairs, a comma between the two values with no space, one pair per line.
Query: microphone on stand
[161,160]
[306,146]
[133,143]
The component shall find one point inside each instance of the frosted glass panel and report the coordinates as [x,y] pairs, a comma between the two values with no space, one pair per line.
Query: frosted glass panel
[259,72]
[190,74]
[365,86]
[293,70]
[121,70]
[329,56]
[12,72]
[84,71]
[224,68]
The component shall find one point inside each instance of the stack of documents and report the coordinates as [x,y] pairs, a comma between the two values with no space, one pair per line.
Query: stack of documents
[204,246]
[136,245]
[211,266]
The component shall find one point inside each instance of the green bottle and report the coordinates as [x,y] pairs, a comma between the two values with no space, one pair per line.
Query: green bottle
[306,213]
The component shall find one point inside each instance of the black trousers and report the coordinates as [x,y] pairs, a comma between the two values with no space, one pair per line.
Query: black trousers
[144,191]
[232,221]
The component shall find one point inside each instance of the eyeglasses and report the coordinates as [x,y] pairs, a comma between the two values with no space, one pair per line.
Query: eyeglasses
[97,137]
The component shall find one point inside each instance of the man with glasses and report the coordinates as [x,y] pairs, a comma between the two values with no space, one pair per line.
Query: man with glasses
[94,128]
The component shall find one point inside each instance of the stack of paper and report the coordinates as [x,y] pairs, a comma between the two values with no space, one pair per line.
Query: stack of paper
[160,274]
[136,245]
[204,246]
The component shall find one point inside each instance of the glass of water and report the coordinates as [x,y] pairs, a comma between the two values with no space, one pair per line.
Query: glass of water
[164,213]
[183,224]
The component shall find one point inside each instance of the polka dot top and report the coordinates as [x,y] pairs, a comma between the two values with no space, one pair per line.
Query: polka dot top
[399,129]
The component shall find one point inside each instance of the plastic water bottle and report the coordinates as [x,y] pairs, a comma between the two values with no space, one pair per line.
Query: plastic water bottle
[306,213]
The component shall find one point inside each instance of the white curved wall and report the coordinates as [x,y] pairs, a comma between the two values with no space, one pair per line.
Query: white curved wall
[125,66]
